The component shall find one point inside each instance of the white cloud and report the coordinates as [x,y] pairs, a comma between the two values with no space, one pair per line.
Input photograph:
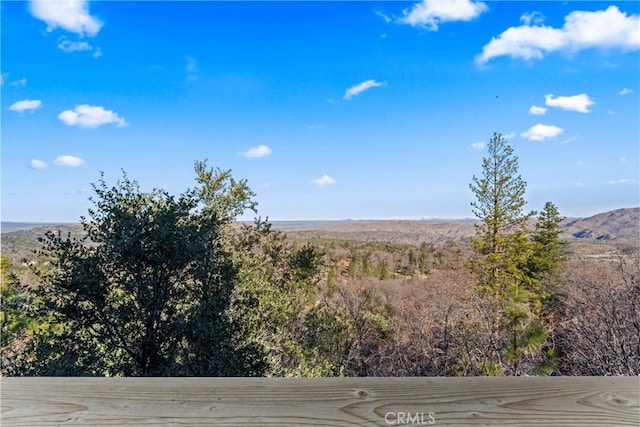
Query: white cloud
[509,136]
[478,145]
[568,140]
[69,161]
[26,105]
[255,152]
[69,46]
[625,91]
[383,16]
[541,132]
[87,116]
[22,82]
[523,42]
[579,103]
[532,18]
[604,29]
[430,13]
[611,112]
[315,127]
[37,164]
[4,79]
[623,181]
[538,111]
[70,15]
[622,159]
[324,180]
[361,87]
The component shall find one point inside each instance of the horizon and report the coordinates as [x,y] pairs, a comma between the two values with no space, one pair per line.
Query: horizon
[342,220]
[332,111]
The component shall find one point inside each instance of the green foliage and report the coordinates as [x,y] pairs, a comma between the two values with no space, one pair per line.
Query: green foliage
[500,197]
[549,250]
[382,270]
[366,264]
[222,194]
[332,277]
[149,283]
[501,236]
[423,258]
[491,369]
[166,285]
[346,330]
[354,259]
[275,287]
[524,332]
[13,304]
[511,258]
[305,263]
[23,328]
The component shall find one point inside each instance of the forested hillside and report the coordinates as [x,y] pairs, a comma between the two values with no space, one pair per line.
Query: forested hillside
[153,284]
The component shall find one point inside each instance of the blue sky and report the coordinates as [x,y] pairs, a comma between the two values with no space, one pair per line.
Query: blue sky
[330,110]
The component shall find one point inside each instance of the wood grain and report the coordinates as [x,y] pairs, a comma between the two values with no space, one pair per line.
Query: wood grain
[522,401]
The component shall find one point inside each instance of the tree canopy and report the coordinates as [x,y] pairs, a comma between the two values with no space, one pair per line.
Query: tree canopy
[161,285]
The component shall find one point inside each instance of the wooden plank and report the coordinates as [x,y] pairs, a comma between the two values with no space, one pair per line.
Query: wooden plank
[521,401]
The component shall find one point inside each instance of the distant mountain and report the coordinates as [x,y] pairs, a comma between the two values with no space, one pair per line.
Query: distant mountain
[620,224]
[9,226]
[617,224]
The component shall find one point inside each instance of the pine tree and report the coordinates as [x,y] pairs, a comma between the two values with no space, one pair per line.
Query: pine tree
[512,296]
[501,236]
[549,250]
[525,333]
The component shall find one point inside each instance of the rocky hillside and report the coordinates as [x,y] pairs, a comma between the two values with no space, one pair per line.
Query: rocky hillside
[617,224]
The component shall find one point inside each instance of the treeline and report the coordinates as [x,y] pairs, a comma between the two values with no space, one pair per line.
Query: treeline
[163,285]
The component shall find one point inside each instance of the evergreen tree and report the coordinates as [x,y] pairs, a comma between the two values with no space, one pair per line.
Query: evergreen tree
[501,236]
[165,285]
[146,289]
[525,333]
[549,250]
[512,296]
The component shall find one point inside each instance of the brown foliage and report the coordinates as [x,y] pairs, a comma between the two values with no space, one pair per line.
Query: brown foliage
[599,331]
[438,326]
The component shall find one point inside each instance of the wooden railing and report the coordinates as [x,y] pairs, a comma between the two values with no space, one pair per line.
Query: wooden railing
[521,401]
